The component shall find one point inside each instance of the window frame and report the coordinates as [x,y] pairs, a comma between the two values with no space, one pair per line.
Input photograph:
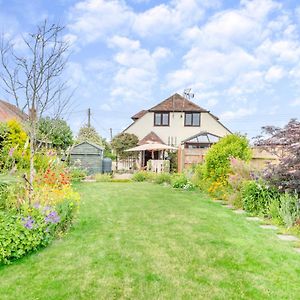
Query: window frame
[192,119]
[161,119]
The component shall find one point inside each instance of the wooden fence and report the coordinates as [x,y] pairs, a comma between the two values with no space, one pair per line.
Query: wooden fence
[189,157]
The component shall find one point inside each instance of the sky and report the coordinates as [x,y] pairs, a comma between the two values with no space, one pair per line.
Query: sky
[240,58]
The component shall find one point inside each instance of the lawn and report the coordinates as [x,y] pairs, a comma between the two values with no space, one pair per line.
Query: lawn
[144,241]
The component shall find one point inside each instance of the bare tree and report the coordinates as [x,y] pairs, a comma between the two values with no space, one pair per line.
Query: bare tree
[34,80]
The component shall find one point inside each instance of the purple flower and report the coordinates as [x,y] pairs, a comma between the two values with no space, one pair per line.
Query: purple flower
[28,222]
[11,151]
[46,209]
[36,205]
[52,217]
[51,153]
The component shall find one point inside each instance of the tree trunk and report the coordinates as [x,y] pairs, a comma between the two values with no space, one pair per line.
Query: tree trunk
[32,152]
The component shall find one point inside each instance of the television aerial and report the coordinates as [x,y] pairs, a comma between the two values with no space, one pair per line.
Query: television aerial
[188,94]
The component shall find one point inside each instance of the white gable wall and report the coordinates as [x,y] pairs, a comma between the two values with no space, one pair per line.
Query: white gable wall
[176,131]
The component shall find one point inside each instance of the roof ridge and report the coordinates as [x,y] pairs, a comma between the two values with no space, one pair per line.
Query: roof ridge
[177,102]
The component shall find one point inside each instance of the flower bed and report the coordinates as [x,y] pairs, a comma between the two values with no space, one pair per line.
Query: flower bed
[32,220]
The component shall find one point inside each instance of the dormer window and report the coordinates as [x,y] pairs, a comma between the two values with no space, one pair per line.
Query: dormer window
[161,119]
[192,119]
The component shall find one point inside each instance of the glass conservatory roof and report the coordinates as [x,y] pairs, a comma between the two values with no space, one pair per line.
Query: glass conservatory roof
[202,137]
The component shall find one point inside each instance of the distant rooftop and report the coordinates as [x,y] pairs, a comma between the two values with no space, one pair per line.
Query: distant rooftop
[9,111]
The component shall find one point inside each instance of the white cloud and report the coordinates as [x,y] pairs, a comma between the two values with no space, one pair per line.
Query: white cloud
[237,114]
[295,102]
[137,69]
[212,67]
[243,26]
[124,43]
[282,51]
[161,53]
[260,9]
[94,19]
[274,74]
[105,107]
[240,52]
[212,102]
[168,18]
[71,39]
[246,83]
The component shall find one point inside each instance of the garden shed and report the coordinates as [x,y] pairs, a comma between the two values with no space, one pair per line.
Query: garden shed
[88,155]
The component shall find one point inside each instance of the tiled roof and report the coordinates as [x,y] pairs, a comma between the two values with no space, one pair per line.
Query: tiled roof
[177,103]
[139,115]
[151,138]
[9,111]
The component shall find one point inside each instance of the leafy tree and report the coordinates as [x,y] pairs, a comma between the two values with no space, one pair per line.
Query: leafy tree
[89,134]
[285,142]
[57,131]
[108,150]
[122,142]
[217,160]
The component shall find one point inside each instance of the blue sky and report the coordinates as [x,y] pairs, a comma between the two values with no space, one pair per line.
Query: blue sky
[241,58]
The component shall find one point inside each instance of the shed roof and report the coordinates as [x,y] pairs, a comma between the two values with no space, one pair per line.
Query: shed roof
[90,143]
[9,111]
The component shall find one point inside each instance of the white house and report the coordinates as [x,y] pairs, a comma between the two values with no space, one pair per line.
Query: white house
[173,121]
[176,122]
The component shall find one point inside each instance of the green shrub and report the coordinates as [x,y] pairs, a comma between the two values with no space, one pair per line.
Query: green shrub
[77,174]
[67,211]
[102,177]
[14,150]
[140,176]
[162,178]
[274,212]
[240,173]
[289,209]
[4,191]
[30,227]
[173,157]
[217,159]
[257,197]
[189,186]
[198,178]
[179,181]
[217,163]
[10,187]
[21,233]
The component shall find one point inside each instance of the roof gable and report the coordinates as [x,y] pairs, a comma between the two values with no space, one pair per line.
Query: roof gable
[89,143]
[139,115]
[177,103]
[9,111]
[151,138]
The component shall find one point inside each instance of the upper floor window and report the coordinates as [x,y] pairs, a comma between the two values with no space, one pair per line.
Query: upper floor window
[192,119]
[161,119]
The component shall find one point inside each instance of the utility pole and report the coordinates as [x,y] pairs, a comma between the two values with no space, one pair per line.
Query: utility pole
[111,134]
[89,117]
